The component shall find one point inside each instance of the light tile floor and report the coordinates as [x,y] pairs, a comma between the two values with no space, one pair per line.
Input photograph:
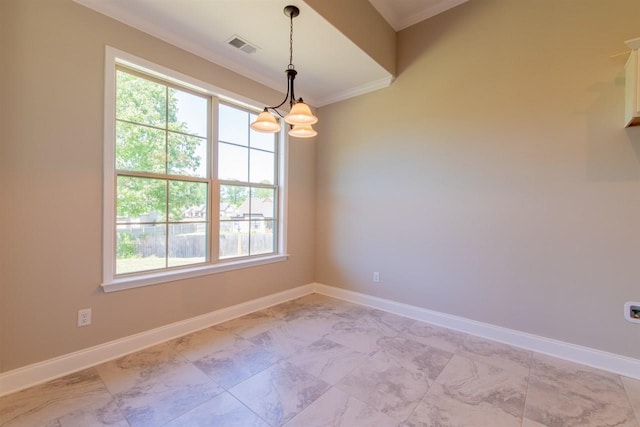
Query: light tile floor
[317,361]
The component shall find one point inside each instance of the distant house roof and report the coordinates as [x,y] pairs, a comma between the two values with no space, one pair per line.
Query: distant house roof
[259,207]
[196,211]
[228,210]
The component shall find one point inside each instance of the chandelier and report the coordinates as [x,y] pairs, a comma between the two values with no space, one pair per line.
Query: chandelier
[299,117]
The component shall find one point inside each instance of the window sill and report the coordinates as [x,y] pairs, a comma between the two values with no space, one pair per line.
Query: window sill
[122,283]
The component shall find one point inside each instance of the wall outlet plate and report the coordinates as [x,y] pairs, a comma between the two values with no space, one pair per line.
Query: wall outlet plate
[632,311]
[84,317]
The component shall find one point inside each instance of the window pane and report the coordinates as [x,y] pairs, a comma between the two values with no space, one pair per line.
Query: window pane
[262,237]
[188,201]
[187,113]
[234,239]
[232,197]
[140,100]
[141,199]
[140,148]
[233,163]
[262,203]
[187,155]
[261,140]
[262,169]
[140,248]
[233,125]
[187,244]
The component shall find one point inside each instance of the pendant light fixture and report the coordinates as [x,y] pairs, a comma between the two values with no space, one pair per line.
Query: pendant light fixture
[300,117]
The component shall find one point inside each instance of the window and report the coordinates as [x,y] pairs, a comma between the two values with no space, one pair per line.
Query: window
[190,189]
[162,185]
[248,191]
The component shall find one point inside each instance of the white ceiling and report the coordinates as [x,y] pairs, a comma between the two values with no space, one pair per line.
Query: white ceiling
[330,66]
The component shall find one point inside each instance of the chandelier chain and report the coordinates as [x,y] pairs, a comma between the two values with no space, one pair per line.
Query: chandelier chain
[291,42]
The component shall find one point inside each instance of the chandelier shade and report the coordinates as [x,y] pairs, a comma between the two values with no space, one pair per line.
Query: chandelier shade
[300,114]
[302,131]
[300,117]
[265,122]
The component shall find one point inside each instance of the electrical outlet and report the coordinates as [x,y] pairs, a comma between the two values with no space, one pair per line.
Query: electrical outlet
[84,317]
[376,277]
[632,311]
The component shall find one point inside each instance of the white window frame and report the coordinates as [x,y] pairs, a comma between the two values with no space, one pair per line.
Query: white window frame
[111,282]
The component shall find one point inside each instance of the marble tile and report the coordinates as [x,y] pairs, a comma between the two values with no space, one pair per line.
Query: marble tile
[79,399]
[222,410]
[435,336]
[494,353]
[335,408]
[203,343]
[355,311]
[312,328]
[361,335]
[424,362]
[320,306]
[316,299]
[284,340]
[551,407]
[632,387]
[153,403]
[331,311]
[93,414]
[237,362]
[526,422]
[251,324]
[387,387]
[167,394]
[327,360]
[320,314]
[391,321]
[576,378]
[291,310]
[440,410]
[472,393]
[324,303]
[128,371]
[280,392]
[562,393]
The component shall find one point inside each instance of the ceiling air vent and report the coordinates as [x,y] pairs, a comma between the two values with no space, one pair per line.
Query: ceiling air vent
[241,44]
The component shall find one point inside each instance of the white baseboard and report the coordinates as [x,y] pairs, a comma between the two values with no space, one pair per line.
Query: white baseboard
[37,373]
[611,362]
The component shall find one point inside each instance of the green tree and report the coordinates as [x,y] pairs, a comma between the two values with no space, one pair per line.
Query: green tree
[233,194]
[150,138]
[263,193]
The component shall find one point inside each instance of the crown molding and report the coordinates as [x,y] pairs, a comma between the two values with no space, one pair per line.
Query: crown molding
[356,91]
[399,20]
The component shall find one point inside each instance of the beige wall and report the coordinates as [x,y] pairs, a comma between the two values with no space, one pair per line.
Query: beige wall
[493,180]
[51,168]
